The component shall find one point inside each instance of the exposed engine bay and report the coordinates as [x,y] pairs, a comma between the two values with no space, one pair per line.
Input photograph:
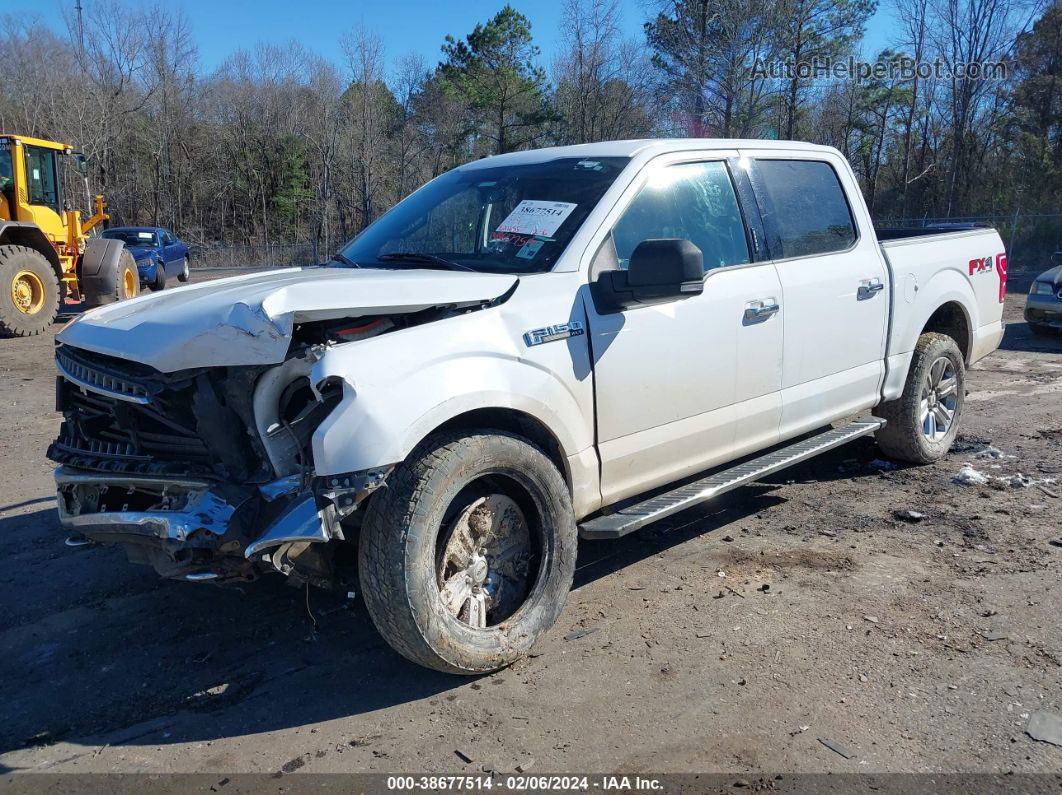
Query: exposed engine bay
[207,473]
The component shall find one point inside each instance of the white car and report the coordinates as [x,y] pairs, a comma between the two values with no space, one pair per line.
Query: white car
[510,358]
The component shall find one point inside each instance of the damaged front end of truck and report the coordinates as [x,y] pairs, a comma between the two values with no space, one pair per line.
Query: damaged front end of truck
[206,473]
[179,470]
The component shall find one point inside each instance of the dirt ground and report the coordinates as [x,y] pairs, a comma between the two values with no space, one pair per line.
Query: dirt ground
[911,645]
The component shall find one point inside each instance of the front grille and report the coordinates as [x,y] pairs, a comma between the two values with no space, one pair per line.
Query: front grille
[122,417]
[99,377]
[105,427]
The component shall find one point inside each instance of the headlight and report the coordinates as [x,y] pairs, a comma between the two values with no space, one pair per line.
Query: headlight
[1042,288]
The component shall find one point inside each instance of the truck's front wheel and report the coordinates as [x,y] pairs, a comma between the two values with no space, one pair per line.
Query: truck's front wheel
[923,421]
[467,556]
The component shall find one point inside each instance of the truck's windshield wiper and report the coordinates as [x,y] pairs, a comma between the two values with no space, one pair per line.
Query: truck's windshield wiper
[346,261]
[416,256]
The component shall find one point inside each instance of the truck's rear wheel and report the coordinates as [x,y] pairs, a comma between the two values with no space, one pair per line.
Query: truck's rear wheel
[923,421]
[29,298]
[467,556]
[185,274]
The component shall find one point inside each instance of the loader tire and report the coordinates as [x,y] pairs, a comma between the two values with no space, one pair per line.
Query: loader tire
[29,296]
[127,284]
[466,557]
[923,421]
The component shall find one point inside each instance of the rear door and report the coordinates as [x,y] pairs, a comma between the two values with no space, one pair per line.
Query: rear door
[835,288]
[678,383]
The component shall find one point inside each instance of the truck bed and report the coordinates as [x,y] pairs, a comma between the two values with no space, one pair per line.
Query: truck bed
[934,268]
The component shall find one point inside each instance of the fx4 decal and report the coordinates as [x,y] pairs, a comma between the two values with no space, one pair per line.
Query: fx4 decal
[561,331]
[998,263]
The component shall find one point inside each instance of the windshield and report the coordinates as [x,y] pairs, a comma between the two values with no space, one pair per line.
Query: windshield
[508,219]
[132,237]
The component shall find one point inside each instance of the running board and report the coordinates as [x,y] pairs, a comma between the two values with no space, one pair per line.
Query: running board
[633,517]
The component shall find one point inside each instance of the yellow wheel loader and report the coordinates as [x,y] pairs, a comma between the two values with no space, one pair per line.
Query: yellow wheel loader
[46,255]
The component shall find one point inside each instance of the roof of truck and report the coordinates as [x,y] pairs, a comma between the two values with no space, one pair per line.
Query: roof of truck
[632,148]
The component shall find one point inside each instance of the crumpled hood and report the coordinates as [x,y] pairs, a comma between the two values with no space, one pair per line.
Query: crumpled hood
[249,319]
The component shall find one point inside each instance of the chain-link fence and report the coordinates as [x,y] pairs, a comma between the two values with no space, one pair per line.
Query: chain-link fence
[1030,238]
[255,255]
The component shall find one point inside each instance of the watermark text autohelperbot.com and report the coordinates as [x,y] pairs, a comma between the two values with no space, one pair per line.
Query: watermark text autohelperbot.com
[900,68]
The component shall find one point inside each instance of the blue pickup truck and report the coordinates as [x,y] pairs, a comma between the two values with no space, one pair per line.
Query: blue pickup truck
[158,253]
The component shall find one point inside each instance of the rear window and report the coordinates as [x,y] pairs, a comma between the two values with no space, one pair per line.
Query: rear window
[807,205]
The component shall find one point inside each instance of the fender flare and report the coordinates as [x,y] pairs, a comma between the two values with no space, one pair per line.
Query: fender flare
[99,270]
[23,233]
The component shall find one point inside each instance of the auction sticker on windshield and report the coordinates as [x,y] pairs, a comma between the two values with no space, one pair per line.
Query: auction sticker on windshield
[531,217]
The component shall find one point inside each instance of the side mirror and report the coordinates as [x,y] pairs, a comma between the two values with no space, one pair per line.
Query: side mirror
[659,271]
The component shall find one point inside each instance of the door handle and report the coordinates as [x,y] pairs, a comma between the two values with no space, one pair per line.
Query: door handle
[758,311]
[868,289]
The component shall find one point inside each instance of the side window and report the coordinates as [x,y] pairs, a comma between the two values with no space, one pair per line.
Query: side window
[167,238]
[694,201]
[41,176]
[805,200]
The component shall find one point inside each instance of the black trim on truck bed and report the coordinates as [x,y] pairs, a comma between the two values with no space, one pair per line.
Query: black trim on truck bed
[894,233]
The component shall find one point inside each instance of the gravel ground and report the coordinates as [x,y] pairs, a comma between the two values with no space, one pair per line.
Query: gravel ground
[910,642]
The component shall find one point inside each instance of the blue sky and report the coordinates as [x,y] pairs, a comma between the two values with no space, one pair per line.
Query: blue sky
[220,26]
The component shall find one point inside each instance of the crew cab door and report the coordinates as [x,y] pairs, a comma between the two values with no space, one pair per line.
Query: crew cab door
[677,383]
[835,287]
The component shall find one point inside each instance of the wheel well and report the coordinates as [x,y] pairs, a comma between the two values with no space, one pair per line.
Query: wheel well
[15,234]
[950,319]
[519,423]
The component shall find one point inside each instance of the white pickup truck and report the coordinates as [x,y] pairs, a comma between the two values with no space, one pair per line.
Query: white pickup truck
[530,348]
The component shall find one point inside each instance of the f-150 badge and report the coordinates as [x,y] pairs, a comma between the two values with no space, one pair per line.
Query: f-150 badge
[561,331]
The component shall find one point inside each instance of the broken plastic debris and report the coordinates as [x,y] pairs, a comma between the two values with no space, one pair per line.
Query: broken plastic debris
[1045,727]
[838,748]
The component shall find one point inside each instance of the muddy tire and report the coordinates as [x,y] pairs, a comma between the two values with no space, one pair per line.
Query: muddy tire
[29,292]
[467,555]
[923,421]
[128,282]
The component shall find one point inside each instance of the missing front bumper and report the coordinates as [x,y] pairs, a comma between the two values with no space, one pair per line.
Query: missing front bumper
[192,529]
